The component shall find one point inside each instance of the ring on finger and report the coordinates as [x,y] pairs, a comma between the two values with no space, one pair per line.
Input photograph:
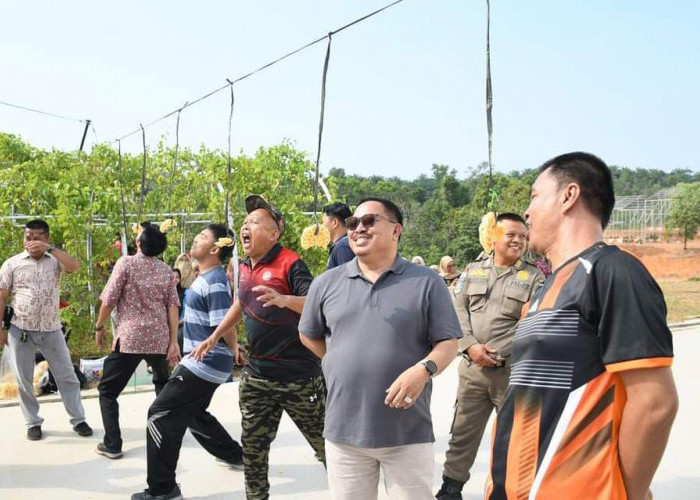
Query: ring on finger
[408,399]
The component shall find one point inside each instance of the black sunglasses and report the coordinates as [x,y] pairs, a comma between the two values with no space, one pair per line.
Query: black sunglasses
[367,220]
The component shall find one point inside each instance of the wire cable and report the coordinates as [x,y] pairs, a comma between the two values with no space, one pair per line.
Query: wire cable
[25,108]
[262,68]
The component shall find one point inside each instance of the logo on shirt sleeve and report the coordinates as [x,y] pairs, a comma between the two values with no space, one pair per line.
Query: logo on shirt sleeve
[522,275]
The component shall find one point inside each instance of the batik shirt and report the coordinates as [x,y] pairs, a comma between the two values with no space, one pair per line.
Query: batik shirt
[599,314]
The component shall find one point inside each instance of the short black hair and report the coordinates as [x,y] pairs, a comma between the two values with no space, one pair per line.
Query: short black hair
[220,231]
[38,224]
[593,177]
[338,210]
[388,205]
[511,216]
[153,242]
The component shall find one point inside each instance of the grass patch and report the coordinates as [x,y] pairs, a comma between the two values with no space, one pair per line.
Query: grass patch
[682,298]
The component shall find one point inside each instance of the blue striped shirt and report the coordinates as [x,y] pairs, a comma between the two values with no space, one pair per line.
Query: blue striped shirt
[206,304]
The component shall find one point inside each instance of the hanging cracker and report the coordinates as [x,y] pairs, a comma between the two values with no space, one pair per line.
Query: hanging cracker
[315,235]
[167,224]
[489,231]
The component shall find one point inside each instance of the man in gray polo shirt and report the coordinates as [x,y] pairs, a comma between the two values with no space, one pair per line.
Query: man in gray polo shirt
[383,327]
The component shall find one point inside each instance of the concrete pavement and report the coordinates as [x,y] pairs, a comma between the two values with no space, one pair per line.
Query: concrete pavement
[64,465]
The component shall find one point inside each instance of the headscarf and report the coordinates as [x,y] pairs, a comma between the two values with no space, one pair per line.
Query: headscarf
[418,260]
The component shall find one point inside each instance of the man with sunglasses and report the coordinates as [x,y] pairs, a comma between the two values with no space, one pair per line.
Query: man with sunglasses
[32,279]
[281,375]
[384,327]
[488,298]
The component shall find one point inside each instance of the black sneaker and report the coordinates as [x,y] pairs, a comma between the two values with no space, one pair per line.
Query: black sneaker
[34,433]
[238,465]
[83,429]
[146,495]
[106,452]
[451,489]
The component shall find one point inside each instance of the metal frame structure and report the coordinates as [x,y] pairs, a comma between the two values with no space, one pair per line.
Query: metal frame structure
[638,219]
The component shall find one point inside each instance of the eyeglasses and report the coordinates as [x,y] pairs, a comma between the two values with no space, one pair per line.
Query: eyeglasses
[34,236]
[367,220]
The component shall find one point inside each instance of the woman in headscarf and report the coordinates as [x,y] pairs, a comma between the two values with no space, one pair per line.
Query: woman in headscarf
[418,260]
[448,270]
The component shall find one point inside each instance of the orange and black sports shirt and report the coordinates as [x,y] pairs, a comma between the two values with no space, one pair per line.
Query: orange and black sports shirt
[557,433]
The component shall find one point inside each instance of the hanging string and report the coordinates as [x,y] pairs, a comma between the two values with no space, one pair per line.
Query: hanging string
[92,127]
[143,176]
[493,195]
[227,214]
[172,171]
[320,128]
[121,192]
[227,209]
[265,66]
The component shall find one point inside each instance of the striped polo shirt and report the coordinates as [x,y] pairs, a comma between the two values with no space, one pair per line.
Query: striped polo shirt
[206,304]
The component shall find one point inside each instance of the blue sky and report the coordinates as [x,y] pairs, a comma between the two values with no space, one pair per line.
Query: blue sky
[405,88]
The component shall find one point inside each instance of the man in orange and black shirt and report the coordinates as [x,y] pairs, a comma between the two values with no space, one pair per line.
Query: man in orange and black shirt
[591,398]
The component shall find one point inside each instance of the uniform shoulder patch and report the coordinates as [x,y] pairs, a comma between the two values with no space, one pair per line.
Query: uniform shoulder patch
[522,275]
[477,272]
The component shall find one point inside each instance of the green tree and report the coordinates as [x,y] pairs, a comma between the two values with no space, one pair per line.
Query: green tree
[79,195]
[685,211]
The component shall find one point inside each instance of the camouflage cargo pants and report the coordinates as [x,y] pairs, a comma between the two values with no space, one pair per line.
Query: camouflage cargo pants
[262,402]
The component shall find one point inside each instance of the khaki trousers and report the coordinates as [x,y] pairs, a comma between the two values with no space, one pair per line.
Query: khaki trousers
[480,390]
[353,472]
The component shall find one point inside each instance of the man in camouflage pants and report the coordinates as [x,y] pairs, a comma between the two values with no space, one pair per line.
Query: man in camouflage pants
[281,374]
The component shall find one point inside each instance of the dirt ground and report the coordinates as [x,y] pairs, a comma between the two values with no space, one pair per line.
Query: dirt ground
[668,261]
[678,273]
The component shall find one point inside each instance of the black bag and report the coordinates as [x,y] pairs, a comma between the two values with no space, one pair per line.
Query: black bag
[9,312]
[50,385]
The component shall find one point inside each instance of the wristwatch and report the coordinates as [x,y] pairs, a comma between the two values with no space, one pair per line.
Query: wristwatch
[50,249]
[430,367]
[99,328]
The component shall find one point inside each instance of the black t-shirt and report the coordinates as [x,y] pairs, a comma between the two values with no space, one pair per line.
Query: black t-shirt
[275,351]
[599,314]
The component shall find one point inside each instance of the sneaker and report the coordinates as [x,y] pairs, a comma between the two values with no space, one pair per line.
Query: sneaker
[175,494]
[83,429]
[34,433]
[231,465]
[105,452]
[451,489]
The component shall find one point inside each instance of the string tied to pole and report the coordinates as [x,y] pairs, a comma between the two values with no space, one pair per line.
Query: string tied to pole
[316,234]
[492,192]
[174,167]
[143,175]
[121,193]
[229,162]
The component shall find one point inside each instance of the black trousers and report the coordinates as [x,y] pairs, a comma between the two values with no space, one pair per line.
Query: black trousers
[118,369]
[183,403]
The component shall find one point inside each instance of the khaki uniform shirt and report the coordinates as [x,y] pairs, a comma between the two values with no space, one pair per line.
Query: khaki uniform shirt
[488,305]
[33,286]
